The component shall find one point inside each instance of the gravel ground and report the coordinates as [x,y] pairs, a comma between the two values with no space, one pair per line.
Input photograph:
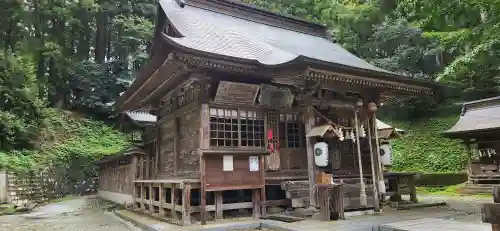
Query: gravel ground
[79,214]
[468,206]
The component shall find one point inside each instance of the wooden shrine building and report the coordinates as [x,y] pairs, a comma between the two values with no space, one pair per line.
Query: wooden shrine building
[479,128]
[241,97]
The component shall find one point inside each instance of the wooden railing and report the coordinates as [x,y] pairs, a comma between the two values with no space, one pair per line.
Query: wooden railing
[172,200]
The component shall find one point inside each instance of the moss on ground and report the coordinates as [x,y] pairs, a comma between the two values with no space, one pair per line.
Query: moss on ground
[453,190]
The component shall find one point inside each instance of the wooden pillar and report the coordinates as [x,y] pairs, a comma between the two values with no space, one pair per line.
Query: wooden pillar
[218,205]
[176,143]
[143,193]
[309,124]
[491,212]
[204,144]
[203,193]
[151,199]
[133,177]
[372,128]
[256,203]
[362,193]
[161,195]
[413,189]
[141,167]
[174,200]
[186,203]
[263,199]
[469,158]
[378,166]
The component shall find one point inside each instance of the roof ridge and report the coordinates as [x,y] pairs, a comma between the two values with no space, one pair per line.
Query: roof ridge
[252,13]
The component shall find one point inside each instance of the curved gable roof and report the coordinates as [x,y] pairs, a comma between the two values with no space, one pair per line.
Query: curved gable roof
[477,116]
[222,34]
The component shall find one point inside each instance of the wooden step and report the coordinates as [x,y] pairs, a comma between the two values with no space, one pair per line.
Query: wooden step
[300,202]
[295,185]
[478,188]
[299,193]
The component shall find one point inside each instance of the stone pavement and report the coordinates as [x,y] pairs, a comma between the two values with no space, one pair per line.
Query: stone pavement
[390,220]
[432,224]
[78,214]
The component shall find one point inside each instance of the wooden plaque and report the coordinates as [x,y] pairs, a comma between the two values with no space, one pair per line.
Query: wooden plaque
[237,93]
[274,97]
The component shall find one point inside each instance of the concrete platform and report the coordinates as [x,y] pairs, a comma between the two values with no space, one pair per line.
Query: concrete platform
[428,219]
[431,224]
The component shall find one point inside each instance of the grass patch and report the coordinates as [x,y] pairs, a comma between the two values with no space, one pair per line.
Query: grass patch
[7,209]
[61,199]
[453,190]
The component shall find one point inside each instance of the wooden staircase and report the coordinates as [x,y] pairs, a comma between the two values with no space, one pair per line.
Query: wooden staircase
[471,188]
[298,193]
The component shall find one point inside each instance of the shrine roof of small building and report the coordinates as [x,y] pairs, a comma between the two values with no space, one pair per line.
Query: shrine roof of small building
[477,116]
[141,116]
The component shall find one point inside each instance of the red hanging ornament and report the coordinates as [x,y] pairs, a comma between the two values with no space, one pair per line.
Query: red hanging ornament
[270,141]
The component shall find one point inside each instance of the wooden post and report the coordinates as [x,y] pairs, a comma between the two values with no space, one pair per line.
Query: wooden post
[263,199]
[143,207]
[161,198]
[256,203]
[174,200]
[413,189]
[203,193]
[186,203]
[218,205]
[133,176]
[157,145]
[204,144]
[151,199]
[378,166]
[324,202]
[372,128]
[310,157]
[491,212]
[362,194]
[176,143]
[469,158]
[338,195]
[141,167]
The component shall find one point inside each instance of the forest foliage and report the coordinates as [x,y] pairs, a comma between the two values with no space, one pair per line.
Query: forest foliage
[79,55]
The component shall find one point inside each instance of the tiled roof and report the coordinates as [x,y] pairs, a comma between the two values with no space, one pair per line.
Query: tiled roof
[222,34]
[477,116]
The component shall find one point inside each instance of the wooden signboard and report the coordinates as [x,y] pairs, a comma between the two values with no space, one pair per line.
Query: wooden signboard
[236,93]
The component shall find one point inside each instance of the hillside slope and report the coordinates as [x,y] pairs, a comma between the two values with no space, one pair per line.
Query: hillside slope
[424,149]
[66,140]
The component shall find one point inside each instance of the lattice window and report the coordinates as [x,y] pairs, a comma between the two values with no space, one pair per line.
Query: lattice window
[236,128]
[252,129]
[289,134]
